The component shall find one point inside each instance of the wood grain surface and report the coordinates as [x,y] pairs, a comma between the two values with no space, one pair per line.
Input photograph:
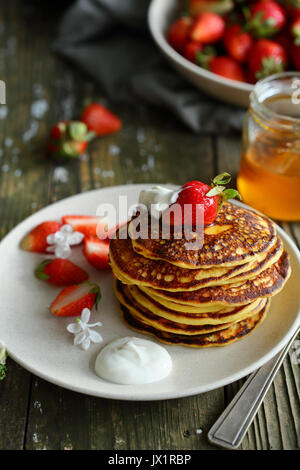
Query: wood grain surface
[152,147]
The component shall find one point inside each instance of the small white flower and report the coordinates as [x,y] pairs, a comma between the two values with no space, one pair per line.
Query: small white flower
[62,240]
[82,330]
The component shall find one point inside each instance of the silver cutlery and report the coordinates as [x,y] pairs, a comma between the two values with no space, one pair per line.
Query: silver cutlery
[231,427]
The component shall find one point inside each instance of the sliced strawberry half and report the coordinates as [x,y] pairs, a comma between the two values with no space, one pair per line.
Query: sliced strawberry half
[89,225]
[36,240]
[73,299]
[96,252]
[60,272]
[100,120]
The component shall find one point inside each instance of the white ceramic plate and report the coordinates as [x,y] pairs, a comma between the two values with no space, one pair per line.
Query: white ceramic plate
[160,16]
[39,341]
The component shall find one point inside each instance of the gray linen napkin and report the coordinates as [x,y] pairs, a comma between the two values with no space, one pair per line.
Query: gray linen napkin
[109,40]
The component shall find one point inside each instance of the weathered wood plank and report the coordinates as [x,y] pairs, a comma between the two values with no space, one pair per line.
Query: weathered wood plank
[229,155]
[60,419]
[14,395]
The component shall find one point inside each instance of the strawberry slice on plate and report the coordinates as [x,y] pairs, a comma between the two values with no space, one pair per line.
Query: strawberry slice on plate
[36,240]
[73,299]
[60,272]
[89,225]
[96,252]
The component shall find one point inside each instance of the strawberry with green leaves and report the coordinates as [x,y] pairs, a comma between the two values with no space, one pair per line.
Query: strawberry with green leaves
[266,18]
[191,50]
[68,139]
[195,197]
[60,272]
[267,57]
[73,299]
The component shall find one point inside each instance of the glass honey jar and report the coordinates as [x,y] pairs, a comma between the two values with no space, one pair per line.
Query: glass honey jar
[269,176]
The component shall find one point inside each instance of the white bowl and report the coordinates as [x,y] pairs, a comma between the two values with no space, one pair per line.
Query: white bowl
[160,15]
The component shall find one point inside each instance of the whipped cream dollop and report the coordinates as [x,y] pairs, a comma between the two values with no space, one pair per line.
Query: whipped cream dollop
[157,199]
[132,360]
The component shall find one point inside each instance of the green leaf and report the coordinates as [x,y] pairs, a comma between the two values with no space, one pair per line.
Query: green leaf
[89,136]
[222,178]
[2,371]
[205,56]
[215,191]
[269,66]
[68,149]
[39,271]
[77,130]
[96,290]
[231,194]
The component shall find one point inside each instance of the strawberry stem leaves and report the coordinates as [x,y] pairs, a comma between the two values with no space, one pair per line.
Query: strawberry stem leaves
[95,290]
[218,189]
[39,271]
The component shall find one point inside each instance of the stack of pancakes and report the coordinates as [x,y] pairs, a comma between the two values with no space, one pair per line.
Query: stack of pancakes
[206,297]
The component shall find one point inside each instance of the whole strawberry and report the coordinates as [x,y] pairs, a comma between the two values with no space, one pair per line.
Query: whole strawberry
[266,18]
[207,28]
[178,33]
[198,199]
[238,43]
[267,57]
[191,50]
[69,139]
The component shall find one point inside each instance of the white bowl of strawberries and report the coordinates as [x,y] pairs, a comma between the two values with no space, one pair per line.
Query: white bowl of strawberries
[224,46]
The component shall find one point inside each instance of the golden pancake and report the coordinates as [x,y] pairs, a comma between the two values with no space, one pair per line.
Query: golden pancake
[237,236]
[187,308]
[139,312]
[132,268]
[218,338]
[202,318]
[266,284]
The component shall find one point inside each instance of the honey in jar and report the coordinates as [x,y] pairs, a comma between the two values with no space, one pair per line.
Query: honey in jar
[269,177]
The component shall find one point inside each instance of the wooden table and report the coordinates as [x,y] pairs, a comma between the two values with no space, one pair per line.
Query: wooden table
[152,147]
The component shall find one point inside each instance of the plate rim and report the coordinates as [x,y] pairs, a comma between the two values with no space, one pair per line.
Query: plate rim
[161,395]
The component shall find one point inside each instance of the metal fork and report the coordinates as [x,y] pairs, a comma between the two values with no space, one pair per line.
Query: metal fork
[231,427]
